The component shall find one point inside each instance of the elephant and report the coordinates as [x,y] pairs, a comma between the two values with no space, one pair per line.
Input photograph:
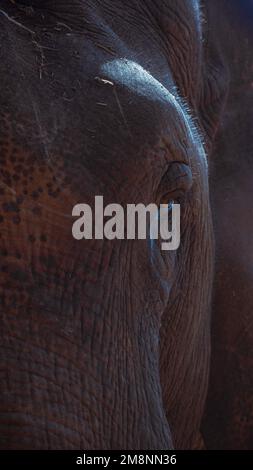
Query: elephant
[105,344]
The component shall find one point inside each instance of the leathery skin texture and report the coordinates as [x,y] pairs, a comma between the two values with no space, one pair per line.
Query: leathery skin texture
[105,344]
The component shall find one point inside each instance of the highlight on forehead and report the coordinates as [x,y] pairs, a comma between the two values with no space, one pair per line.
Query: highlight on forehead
[134,77]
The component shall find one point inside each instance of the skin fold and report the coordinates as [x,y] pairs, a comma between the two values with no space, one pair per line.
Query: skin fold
[104,344]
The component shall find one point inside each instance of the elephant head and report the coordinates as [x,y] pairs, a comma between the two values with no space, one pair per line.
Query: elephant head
[104,343]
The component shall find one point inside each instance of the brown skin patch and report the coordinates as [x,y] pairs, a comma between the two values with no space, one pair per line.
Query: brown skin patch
[82,321]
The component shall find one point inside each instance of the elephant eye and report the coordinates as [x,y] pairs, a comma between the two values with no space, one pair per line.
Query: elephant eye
[174,197]
[175,184]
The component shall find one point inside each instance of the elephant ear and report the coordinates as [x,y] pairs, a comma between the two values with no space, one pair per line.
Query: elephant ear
[221,52]
[180,27]
[215,74]
[196,61]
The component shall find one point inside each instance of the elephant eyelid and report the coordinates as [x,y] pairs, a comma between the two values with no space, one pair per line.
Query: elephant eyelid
[175,183]
[173,197]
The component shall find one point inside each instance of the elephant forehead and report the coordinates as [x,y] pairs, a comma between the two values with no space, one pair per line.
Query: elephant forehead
[130,74]
[178,127]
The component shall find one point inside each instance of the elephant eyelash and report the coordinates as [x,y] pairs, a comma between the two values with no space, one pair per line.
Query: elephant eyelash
[175,184]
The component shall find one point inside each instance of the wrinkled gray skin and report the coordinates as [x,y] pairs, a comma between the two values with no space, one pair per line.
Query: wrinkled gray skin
[104,344]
